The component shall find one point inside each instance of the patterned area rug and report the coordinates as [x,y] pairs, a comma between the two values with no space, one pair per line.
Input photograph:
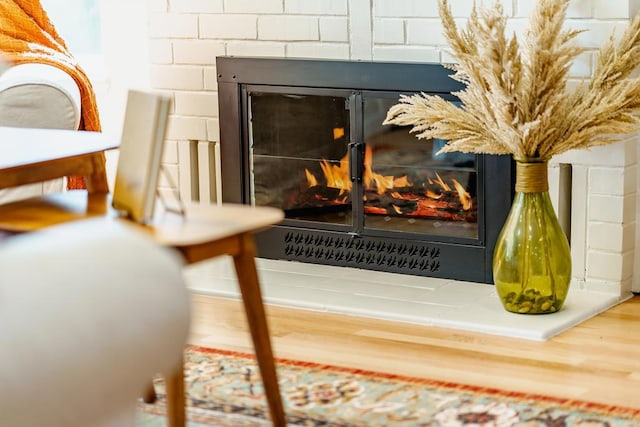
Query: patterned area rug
[224,389]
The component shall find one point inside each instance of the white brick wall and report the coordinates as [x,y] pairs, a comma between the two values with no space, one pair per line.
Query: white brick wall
[325,7]
[181,127]
[195,51]
[178,77]
[389,31]
[193,6]
[425,32]
[406,8]
[228,26]
[187,35]
[288,28]
[334,29]
[318,50]
[160,52]
[255,48]
[199,104]
[173,25]
[251,6]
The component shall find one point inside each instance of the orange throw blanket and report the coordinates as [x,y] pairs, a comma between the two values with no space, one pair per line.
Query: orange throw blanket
[27,35]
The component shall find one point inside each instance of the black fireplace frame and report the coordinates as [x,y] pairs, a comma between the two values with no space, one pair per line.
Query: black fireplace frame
[452,258]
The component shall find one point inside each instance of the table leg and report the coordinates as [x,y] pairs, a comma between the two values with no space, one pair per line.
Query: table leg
[176,412]
[245,268]
[150,394]
[96,182]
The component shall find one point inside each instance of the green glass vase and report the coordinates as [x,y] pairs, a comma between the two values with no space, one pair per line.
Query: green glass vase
[532,260]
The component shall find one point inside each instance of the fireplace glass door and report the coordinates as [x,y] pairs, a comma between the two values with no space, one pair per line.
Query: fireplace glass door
[408,186]
[324,157]
[299,163]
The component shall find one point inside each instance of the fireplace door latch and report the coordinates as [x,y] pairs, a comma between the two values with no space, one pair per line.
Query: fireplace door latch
[356,161]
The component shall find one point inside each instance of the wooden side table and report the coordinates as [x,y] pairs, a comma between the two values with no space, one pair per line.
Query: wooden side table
[203,232]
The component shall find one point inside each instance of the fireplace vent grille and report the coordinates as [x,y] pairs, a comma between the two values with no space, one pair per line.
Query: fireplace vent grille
[361,252]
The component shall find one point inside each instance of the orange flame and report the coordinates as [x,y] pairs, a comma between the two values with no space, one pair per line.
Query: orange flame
[381,183]
[337,176]
[440,182]
[464,196]
[311,180]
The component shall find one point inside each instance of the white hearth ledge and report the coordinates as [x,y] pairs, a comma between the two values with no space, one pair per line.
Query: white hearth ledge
[396,297]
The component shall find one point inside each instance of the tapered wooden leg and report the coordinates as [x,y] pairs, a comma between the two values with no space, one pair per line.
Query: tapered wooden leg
[245,267]
[97,181]
[150,394]
[176,398]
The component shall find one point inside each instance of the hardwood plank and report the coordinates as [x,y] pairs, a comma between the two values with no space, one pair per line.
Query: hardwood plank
[598,360]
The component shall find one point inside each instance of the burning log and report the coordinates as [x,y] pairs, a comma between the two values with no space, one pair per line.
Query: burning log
[318,193]
[389,204]
[385,194]
[317,199]
[446,207]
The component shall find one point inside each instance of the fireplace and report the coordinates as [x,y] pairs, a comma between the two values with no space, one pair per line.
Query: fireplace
[306,136]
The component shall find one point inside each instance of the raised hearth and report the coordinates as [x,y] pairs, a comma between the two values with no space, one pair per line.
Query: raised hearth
[400,298]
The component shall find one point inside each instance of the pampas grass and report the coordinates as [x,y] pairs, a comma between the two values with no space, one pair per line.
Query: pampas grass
[516,99]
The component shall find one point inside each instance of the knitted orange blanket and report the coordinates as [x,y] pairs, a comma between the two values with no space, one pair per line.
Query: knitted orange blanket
[27,35]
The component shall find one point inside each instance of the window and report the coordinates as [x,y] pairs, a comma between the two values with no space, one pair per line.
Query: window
[78,22]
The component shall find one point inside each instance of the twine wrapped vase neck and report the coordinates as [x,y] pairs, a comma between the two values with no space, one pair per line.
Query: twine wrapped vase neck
[531,175]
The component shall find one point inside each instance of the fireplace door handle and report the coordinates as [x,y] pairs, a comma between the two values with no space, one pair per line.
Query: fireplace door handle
[356,161]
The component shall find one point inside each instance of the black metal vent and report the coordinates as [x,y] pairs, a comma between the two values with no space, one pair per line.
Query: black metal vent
[361,252]
[394,255]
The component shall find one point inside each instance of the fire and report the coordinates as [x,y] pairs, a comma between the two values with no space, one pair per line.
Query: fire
[381,183]
[465,197]
[311,180]
[440,182]
[337,176]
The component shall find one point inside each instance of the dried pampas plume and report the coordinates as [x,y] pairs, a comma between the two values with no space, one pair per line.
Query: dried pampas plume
[516,99]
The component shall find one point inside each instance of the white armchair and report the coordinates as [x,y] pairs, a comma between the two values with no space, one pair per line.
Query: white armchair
[89,312]
[38,96]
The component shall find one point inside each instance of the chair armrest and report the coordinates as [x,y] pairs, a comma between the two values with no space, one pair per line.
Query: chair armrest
[40,96]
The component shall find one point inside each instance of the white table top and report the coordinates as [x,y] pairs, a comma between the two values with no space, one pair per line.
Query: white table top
[26,146]
[21,148]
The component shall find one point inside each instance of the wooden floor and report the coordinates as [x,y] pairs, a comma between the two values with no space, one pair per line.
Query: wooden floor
[598,360]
